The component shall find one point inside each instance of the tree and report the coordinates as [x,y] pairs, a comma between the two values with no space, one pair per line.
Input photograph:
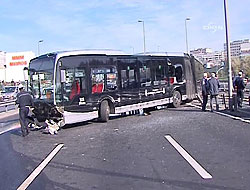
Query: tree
[238,63]
[241,63]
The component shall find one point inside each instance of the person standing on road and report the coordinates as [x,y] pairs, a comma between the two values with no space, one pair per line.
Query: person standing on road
[205,91]
[239,85]
[24,101]
[214,91]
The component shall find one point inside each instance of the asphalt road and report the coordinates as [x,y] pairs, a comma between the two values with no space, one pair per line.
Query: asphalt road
[133,153]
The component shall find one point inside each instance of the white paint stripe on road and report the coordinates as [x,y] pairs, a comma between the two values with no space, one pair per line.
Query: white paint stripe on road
[197,167]
[38,170]
[234,117]
[11,127]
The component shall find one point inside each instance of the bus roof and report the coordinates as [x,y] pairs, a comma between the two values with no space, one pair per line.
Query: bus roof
[90,52]
[175,54]
[111,52]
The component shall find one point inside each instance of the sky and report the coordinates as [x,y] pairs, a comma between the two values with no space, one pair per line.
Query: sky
[113,24]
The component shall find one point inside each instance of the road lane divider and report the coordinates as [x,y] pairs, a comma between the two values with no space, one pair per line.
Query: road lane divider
[196,166]
[39,168]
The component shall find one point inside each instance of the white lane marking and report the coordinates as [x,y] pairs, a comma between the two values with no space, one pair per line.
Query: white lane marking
[11,127]
[197,167]
[224,114]
[38,170]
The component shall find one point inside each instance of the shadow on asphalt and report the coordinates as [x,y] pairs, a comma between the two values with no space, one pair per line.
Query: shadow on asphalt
[68,126]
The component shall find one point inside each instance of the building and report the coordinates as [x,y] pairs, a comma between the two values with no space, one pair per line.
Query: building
[235,47]
[201,51]
[2,60]
[208,57]
[12,65]
[245,50]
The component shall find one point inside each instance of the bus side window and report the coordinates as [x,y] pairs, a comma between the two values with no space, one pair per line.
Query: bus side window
[145,76]
[171,71]
[97,83]
[179,73]
[111,79]
[68,85]
[131,76]
[159,75]
[124,79]
[75,89]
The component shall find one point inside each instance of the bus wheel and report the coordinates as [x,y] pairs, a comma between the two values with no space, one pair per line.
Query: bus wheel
[104,111]
[176,99]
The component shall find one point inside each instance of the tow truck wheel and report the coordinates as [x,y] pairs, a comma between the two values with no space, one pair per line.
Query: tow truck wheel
[104,111]
[176,99]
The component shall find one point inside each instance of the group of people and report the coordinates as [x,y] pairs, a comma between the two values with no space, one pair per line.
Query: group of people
[210,86]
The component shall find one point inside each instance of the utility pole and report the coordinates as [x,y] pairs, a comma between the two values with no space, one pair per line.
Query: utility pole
[230,81]
[144,38]
[186,34]
[38,47]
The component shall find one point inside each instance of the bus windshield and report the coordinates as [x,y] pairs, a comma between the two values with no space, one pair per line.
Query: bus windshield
[41,77]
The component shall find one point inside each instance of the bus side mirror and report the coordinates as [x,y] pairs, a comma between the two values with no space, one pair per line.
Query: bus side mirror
[63,76]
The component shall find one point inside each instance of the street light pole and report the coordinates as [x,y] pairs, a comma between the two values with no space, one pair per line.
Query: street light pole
[186,34]
[38,47]
[230,81]
[144,40]
[5,66]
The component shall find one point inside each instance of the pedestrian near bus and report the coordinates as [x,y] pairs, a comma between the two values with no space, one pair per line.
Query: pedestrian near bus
[24,101]
[239,85]
[214,91]
[205,91]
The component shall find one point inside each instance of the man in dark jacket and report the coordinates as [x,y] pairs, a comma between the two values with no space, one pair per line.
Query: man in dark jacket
[205,91]
[24,101]
[239,85]
[214,91]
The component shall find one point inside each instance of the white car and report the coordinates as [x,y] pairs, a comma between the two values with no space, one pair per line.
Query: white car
[10,92]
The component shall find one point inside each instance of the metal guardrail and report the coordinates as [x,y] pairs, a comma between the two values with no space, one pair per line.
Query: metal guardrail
[5,105]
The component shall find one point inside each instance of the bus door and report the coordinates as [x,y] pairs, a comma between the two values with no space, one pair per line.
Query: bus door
[128,81]
[73,92]
[180,73]
[160,78]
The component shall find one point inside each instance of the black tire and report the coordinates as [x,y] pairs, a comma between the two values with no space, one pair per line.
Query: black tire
[176,99]
[104,111]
